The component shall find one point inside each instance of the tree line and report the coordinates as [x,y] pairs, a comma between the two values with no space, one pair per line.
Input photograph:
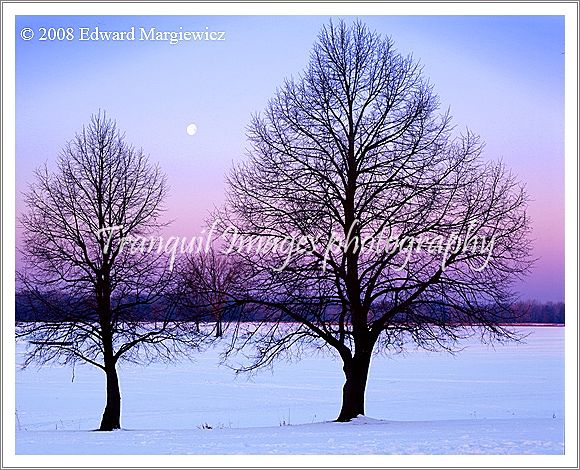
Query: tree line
[30,310]
[355,145]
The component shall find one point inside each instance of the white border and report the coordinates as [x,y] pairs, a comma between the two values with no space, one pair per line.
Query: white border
[291,8]
[10,10]
[571,230]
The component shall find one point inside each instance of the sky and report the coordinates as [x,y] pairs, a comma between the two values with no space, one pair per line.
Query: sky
[502,77]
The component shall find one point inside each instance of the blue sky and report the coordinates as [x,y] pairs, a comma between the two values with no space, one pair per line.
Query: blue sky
[501,76]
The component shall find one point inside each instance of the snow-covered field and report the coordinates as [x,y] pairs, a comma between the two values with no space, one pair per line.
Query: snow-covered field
[507,400]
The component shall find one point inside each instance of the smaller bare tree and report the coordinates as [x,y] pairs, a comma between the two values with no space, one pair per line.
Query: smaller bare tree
[97,299]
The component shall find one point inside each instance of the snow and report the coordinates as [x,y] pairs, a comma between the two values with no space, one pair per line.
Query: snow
[503,400]
[495,436]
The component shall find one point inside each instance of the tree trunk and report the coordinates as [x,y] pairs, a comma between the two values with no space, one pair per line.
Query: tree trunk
[112,414]
[356,372]
[218,321]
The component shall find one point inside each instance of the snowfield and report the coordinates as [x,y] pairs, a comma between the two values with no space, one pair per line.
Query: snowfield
[484,400]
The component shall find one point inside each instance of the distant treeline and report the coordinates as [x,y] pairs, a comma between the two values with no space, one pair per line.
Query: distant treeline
[538,312]
[57,307]
[66,309]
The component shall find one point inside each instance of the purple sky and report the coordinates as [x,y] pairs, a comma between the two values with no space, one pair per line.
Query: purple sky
[501,76]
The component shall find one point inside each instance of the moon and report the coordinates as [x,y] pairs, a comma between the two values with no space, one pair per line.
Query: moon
[191,129]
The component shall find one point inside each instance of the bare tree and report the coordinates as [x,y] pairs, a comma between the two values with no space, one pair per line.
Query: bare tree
[206,281]
[363,222]
[96,288]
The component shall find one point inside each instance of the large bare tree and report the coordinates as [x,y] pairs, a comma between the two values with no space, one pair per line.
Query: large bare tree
[364,222]
[96,288]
